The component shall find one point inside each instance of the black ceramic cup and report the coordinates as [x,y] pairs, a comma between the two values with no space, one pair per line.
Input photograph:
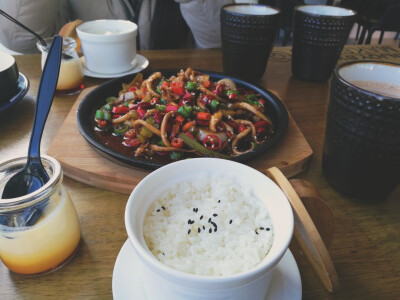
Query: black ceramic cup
[8,77]
[248,34]
[361,155]
[319,35]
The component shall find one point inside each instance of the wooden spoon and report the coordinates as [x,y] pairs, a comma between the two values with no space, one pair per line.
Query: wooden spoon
[306,234]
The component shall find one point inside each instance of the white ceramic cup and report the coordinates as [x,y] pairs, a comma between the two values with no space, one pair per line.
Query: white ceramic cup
[109,46]
[162,282]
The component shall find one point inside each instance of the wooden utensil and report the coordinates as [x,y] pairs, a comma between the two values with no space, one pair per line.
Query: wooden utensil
[306,234]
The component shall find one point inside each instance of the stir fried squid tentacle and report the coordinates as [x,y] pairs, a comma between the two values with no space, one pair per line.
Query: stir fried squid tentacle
[254,110]
[139,151]
[164,123]
[215,119]
[249,123]
[129,115]
[168,149]
[147,125]
[238,138]
[228,127]
[149,84]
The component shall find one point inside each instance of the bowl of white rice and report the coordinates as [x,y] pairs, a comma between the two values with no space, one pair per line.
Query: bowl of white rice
[208,228]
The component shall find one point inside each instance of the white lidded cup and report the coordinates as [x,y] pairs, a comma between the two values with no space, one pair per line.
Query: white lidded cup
[109,46]
[163,282]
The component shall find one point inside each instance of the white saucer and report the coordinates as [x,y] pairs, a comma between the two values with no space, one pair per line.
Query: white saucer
[126,280]
[140,64]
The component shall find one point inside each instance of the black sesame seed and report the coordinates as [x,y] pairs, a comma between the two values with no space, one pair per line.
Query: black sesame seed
[158,210]
[194,209]
[256,231]
[268,229]
[214,215]
[198,230]
[215,225]
[163,253]
[163,207]
[262,228]
[189,231]
[219,201]
[209,220]
[189,221]
[204,228]
[230,221]
[210,230]
[201,217]
[215,229]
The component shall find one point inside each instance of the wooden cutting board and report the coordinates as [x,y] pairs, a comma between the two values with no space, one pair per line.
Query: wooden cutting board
[84,163]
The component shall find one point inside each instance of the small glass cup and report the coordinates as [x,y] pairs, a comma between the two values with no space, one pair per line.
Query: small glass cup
[70,79]
[39,232]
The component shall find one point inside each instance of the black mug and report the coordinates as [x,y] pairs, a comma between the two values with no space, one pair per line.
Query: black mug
[248,34]
[361,155]
[319,35]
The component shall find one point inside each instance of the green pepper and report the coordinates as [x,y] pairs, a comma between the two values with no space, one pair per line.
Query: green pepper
[163,101]
[185,111]
[159,85]
[251,96]
[190,86]
[228,92]
[174,155]
[126,104]
[120,129]
[200,148]
[107,107]
[99,114]
[223,106]
[161,107]
[107,115]
[146,132]
[214,105]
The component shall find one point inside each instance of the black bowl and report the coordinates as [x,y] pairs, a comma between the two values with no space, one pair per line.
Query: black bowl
[95,99]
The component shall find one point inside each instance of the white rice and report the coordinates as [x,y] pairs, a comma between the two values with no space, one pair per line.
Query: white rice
[243,235]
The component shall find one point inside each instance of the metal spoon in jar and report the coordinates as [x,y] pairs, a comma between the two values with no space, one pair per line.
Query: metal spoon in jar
[33,176]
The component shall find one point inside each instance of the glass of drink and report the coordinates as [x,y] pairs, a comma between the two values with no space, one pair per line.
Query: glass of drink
[70,79]
[39,232]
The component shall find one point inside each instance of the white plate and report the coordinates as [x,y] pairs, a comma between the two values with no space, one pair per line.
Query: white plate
[126,280]
[140,64]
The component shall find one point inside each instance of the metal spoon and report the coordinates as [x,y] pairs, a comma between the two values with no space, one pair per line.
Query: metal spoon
[33,176]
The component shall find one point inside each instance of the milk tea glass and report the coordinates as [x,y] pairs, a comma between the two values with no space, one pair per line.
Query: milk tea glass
[39,232]
[361,155]
[70,79]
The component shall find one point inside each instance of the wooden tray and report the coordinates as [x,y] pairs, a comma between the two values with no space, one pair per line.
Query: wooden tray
[83,163]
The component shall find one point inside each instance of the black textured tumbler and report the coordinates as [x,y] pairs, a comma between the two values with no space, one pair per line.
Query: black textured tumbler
[361,156]
[319,35]
[248,33]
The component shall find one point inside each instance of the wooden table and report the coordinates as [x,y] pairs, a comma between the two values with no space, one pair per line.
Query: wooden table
[366,246]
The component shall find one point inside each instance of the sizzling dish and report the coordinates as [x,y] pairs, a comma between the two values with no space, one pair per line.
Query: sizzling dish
[185,115]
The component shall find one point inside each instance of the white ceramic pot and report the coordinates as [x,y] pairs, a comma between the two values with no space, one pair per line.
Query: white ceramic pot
[109,46]
[162,282]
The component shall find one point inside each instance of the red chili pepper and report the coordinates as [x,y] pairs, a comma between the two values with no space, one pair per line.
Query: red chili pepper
[154,101]
[116,116]
[179,119]
[207,84]
[141,112]
[177,88]
[232,96]
[207,99]
[171,107]
[165,84]
[102,123]
[261,101]
[204,116]
[212,142]
[233,124]
[131,142]
[186,99]
[187,126]
[242,127]
[177,143]
[130,133]
[228,133]
[175,129]
[204,123]
[261,130]
[120,109]
[260,123]
[133,89]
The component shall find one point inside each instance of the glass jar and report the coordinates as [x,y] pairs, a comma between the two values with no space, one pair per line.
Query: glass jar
[70,79]
[39,232]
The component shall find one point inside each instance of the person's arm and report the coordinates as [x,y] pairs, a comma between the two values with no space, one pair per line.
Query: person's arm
[45,17]
[203,19]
